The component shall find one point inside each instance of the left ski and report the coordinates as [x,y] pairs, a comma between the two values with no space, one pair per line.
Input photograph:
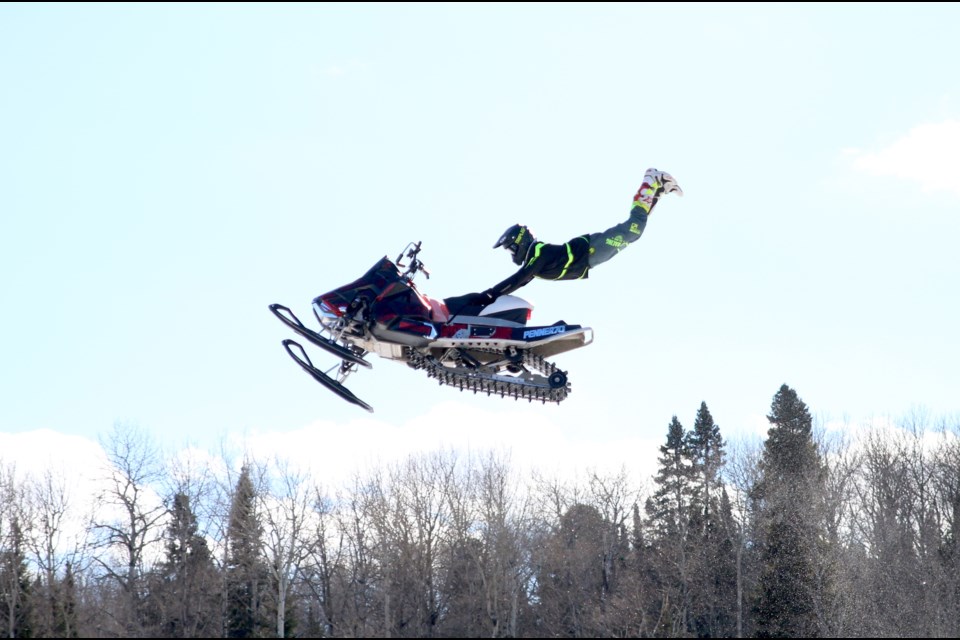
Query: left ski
[292,321]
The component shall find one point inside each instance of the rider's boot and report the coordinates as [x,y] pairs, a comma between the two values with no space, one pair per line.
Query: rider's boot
[655,184]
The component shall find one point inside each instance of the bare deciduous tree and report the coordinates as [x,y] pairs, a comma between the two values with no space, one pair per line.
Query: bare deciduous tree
[130,516]
[285,506]
[56,542]
[742,473]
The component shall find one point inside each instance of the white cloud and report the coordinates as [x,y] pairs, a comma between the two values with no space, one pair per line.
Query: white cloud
[533,442]
[33,453]
[929,154]
[67,466]
[528,438]
[332,453]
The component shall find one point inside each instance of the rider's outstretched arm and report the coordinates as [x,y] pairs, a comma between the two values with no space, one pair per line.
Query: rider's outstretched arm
[524,275]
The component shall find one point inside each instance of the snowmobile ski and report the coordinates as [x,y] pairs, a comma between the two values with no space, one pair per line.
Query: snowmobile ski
[338,350]
[322,377]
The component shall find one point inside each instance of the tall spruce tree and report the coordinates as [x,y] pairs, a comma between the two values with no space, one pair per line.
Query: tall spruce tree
[786,500]
[246,575]
[706,450]
[713,556]
[669,517]
[188,591]
[668,508]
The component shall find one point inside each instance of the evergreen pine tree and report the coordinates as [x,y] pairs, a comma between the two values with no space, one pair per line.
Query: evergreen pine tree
[706,450]
[669,505]
[246,585]
[669,517]
[713,558]
[786,497]
[188,578]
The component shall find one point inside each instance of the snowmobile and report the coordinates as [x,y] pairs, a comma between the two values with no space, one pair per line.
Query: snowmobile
[481,348]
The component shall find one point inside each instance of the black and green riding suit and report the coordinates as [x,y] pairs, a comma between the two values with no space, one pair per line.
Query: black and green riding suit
[574,259]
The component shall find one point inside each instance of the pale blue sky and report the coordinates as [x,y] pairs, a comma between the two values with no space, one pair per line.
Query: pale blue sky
[168,171]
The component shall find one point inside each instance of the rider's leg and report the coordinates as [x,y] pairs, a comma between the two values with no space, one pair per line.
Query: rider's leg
[609,243]
[606,244]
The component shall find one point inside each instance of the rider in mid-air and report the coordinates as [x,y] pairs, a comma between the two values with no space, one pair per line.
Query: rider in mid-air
[574,259]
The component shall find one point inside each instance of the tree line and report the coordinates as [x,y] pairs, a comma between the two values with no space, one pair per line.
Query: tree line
[792,536]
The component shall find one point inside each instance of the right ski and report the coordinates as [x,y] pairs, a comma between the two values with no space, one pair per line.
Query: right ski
[321,377]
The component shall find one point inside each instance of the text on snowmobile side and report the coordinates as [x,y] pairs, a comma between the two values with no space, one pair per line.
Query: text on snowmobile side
[546,331]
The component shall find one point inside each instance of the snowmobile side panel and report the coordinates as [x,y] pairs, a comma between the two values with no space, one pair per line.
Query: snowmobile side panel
[540,340]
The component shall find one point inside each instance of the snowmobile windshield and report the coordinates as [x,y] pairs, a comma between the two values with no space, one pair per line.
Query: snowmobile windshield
[370,285]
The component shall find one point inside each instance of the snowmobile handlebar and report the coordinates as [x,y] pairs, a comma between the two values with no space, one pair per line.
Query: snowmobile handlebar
[412,250]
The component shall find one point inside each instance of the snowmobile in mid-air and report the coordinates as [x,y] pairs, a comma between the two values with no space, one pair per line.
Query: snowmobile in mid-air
[488,349]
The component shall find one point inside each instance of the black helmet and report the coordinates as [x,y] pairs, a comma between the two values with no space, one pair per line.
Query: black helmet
[517,240]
